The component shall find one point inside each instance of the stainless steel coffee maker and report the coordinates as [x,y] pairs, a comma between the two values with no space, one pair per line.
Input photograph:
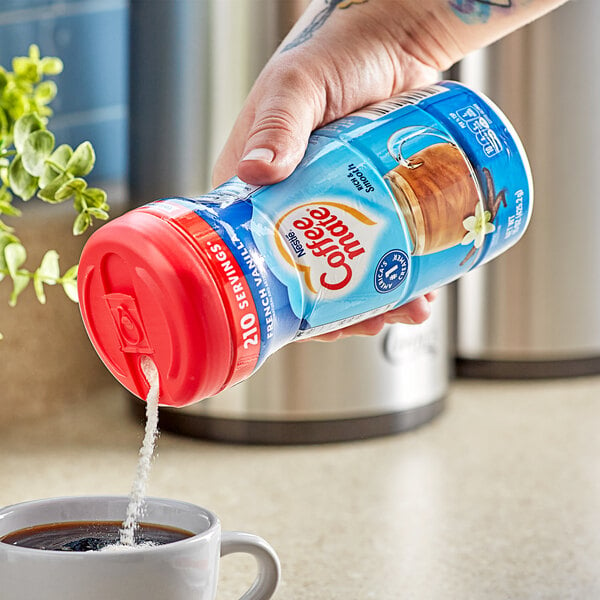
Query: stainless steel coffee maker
[533,313]
[192,64]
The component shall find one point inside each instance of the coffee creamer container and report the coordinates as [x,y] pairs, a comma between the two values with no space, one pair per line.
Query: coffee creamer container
[388,203]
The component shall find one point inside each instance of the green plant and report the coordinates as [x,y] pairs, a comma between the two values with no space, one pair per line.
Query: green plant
[31,165]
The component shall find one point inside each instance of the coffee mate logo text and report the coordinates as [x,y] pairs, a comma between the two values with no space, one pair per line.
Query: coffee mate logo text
[328,242]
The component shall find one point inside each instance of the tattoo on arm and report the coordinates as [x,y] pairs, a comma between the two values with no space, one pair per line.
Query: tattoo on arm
[477,11]
[319,20]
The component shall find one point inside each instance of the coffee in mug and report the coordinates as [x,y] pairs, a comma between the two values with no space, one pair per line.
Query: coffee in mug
[90,536]
[175,569]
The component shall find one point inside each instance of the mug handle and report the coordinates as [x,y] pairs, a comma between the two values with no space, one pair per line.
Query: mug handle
[269,569]
[397,140]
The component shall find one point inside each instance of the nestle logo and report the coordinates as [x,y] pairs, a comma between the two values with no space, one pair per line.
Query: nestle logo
[325,239]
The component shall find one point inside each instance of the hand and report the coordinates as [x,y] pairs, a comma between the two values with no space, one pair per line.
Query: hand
[345,54]
[340,56]
[413,313]
[337,59]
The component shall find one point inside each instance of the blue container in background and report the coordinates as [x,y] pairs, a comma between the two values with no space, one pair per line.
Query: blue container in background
[92,39]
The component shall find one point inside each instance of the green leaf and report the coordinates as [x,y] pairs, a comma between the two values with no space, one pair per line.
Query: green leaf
[14,103]
[98,213]
[49,270]
[70,287]
[38,286]
[51,65]
[14,255]
[6,208]
[43,111]
[69,283]
[79,203]
[24,126]
[25,68]
[95,197]
[6,238]
[73,186]
[5,196]
[81,223]
[49,174]
[57,160]
[20,282]
[45,92]
[3,80]
[82,161]
[48,193]
[48,273]
[34,52]
[37,148]
[71,273]
[4,127]
[23,184]
[4,228]
[61,155]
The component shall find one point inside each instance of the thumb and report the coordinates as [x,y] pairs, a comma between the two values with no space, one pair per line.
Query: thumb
[277,139]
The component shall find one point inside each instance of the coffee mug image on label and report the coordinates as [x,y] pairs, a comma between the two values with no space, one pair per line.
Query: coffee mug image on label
[436,189]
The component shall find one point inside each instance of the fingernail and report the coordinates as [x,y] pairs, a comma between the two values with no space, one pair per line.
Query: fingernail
[262,154]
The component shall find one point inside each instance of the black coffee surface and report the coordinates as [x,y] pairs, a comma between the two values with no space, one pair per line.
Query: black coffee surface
[86,536]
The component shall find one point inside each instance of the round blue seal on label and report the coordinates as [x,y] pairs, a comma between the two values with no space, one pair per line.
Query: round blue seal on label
[391,271]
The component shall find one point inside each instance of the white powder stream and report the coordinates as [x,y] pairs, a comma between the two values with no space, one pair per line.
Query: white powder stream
[140,482]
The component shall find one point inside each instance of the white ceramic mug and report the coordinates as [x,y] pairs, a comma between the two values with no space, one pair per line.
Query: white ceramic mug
[183,570]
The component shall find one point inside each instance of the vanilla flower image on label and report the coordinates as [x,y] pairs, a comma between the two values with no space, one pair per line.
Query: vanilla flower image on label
[477,226]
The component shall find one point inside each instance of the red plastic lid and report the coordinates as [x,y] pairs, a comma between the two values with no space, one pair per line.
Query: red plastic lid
[143,290]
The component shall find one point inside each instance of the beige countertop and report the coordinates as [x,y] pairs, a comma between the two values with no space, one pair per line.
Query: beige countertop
[498,498]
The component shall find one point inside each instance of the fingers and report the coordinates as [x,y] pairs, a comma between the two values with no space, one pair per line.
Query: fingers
[276,142]
[413,313]
[270,137]
[431,296]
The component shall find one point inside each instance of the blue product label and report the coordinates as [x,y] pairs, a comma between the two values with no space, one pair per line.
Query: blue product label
[322,232]
[227,213]
[388,203]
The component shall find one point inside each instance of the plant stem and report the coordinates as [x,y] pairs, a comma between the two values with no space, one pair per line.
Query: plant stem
[31,275]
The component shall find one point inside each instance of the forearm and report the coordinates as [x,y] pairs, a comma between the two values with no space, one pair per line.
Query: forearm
[436,32]
[344,54]
[477,23]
